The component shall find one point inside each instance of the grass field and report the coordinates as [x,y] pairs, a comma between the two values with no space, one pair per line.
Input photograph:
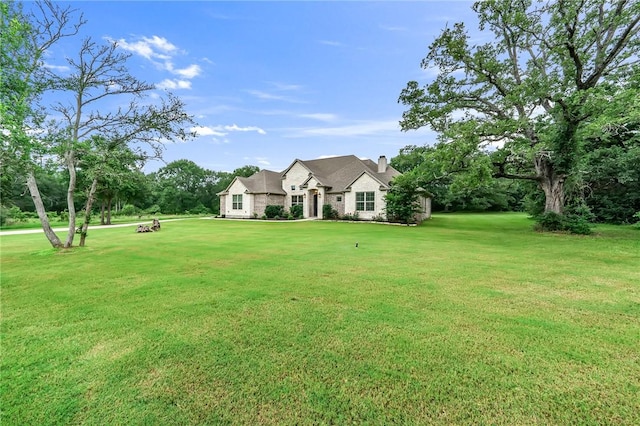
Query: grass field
[467,319]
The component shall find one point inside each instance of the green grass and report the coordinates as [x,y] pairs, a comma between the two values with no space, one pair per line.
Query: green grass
[467,319]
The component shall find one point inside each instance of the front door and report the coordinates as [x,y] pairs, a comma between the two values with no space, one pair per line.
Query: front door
[315,205]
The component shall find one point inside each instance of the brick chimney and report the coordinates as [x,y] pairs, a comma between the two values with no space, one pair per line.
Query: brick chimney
[382,164]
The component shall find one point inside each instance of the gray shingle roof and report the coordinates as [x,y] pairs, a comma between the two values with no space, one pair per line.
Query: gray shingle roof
[336,174]
[264,182]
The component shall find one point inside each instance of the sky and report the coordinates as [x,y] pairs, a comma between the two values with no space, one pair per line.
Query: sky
[270,82]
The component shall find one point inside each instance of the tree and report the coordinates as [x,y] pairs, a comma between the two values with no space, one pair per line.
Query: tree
[403,199]
[179,184]
[25,37]
[51,182]
[432,168]
[245,171]
[121,183]
[106,165]
[526,95]
[99,73]
[610,167]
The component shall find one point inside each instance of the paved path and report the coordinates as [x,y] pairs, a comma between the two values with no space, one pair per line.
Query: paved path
[91,227]
[134,224]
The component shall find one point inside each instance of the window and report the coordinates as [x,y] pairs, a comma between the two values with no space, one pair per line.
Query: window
[365,201]
[296,200]
[293,187]
[339,198]
[237,202]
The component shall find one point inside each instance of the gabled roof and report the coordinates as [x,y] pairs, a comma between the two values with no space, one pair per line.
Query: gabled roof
[338,173]
[383,186]
[262,182]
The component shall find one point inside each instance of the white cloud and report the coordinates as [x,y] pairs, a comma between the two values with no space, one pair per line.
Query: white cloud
[174,84]
[160,43]
[235,128]
[260,160]
[363,128]
[160,52]
[191,71]
[224,130]
[217,141]
[59,68]
[279,92]
[150,47]
[320,116]
[207,131]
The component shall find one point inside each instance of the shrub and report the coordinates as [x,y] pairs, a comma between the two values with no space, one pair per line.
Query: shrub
[351,216]
[154,209]
[379,218]
[637,216]
[128,210]
[549,221]
[578,225]
[328,212]
[17,215]
[553,222]
[273,212]
[200,209]
[297,211]
[4,215]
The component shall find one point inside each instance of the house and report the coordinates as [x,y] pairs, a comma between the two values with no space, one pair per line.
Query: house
[350,185]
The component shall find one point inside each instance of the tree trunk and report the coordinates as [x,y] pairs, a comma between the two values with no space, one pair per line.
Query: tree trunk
[87,211]
[109,212]
[102,213]
[42,214]
[550,182]
[70,160]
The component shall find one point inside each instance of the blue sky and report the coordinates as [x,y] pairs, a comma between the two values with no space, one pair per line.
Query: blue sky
[269,82]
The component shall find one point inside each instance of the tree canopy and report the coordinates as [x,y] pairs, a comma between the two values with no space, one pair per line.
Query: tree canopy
[551,71]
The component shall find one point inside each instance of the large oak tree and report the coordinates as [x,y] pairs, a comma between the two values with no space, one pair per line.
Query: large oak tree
[547,71]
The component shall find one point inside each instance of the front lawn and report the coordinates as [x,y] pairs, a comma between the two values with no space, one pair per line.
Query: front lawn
[466,319]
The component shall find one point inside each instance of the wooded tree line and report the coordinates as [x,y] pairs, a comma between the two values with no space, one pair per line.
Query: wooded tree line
[179,187]
[609,187]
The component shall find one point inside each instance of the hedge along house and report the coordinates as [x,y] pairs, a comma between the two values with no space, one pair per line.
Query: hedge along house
[350,185]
